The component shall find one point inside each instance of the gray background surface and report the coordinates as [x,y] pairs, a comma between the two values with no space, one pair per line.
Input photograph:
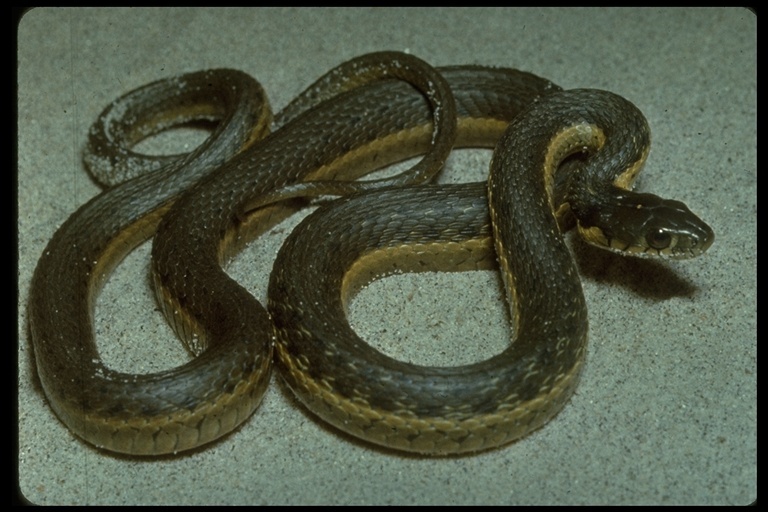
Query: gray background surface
[666,410]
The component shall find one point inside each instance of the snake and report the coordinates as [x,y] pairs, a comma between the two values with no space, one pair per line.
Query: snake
[253,171]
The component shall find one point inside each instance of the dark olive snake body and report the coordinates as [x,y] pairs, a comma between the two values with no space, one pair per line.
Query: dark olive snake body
[354,120]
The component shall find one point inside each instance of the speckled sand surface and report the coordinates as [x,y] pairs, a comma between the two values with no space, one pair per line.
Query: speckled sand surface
[666,410]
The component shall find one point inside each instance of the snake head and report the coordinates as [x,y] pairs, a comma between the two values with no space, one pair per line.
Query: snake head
[646,225]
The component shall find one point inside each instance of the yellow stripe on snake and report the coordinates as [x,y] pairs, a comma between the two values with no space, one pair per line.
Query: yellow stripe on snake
[559,154]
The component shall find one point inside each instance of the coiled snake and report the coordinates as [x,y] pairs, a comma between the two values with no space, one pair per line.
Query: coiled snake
[365,114]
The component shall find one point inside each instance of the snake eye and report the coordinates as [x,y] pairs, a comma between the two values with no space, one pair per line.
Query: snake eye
[658,238]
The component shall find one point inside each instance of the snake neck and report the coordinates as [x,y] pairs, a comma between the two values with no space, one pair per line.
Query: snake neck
[531,250]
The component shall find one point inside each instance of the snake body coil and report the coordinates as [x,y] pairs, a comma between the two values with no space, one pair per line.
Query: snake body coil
[353,120]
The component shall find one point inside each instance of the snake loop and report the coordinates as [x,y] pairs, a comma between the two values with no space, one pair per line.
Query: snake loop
[453,227]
